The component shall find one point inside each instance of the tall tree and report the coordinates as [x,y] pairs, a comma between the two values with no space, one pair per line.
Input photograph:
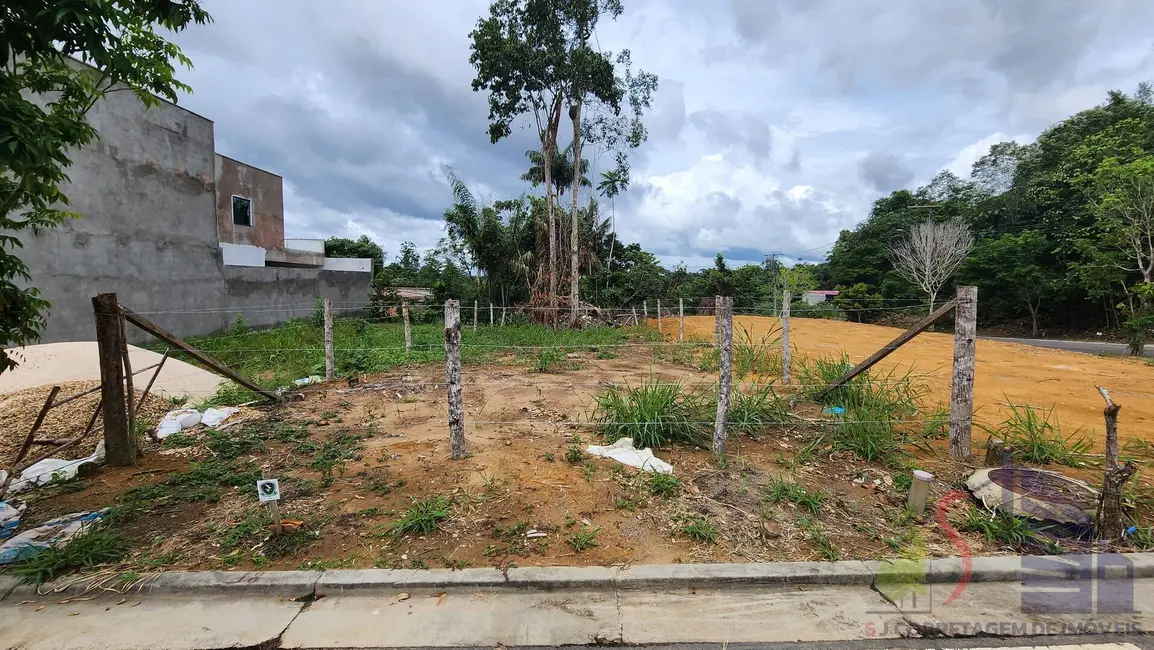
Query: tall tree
[930,254]
[613,182]
[122,43]
[521,57]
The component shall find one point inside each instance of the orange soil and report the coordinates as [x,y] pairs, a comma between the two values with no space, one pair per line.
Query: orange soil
[1004,373]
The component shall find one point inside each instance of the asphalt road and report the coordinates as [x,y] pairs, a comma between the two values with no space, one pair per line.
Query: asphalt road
[1089,347]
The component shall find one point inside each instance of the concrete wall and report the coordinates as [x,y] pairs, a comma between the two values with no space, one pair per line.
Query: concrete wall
[310,245]
[353,264]
[148,232]
[266,191]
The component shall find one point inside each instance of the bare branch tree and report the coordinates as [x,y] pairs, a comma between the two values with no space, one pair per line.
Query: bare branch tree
[931,253]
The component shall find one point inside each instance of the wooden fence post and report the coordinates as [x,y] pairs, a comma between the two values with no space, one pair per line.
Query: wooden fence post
[660,322]
[474,316]
[634,315]
[119,445]
[717,305]
[453,379]
[724,311]
[330,362]
[490,313]
[786,358]
[503,310]
[962,390]
[645,310]
[681,320]
[408,327]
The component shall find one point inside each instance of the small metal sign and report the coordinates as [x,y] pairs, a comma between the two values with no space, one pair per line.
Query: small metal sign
[268,490]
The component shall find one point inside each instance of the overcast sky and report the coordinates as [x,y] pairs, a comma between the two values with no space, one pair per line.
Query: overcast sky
[776,124]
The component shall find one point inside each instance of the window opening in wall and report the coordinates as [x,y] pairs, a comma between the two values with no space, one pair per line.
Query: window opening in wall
[241,211]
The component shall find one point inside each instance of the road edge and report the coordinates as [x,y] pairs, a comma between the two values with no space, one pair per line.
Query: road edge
[309,584]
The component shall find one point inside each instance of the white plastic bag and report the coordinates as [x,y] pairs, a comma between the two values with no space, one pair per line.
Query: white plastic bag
[9,518]
[624,452]
[213,417]
[175,421]
[53,469]
[51,533]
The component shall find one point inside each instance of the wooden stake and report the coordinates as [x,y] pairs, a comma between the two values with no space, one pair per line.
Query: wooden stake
[901,340]
[995,449]
[408,327]
[1110,520]
[724,315]
[786,360]
[503,310]
[962,389]
[474,316]
[453,379]
[634,315]
[660,322]
[490,314]
[645,310]
[36,425]
[119,445]
[274,509]
[129,391]
[176,342]
[681,320]
[330,363]
[148,388]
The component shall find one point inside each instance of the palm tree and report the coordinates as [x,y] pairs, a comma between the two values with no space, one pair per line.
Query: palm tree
[613,182]
[562,169]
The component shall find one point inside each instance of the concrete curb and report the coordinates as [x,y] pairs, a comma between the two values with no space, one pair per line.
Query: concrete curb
[298,584]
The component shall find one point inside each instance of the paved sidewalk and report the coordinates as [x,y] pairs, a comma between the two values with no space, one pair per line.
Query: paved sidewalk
[491,616]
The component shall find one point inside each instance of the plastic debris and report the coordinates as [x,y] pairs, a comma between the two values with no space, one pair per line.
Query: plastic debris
[176,421]
[214,417]
[625,453]
[305,381]
[181,419]
[56,532]
[53,469]
[834,410]
[9,518]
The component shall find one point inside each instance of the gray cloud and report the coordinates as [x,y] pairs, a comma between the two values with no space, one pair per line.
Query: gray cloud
[885,172]
[359,108]
[745,131]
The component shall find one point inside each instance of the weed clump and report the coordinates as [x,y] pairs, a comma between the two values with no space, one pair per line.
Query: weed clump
[1037,437]
[653,414]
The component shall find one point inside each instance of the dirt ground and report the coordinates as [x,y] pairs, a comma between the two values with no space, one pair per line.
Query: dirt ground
[1004,372]
[520,498]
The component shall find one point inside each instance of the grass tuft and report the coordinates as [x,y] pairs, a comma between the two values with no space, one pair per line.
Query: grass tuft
[1037,437]
[653,414]
[96,547]
[664,485]
[424,516]
[700,529]
[584,538]
[783,489]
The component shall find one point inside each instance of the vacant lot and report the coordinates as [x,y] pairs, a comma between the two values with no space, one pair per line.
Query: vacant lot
[1004,373]
[364,464]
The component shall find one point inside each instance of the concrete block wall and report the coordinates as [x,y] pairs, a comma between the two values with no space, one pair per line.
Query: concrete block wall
[148,231]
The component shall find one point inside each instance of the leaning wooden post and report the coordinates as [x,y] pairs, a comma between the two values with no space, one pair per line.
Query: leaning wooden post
[681,320]
[660,323]
[724,317]
[962,390]
[453,379]
[474,316]
[634,315]
[31,437]
[786,355]
[1110,520]
[330,363]
[119,445]
[408,327]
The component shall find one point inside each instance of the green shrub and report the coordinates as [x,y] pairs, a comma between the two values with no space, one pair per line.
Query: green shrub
[1037,437]
[653,414]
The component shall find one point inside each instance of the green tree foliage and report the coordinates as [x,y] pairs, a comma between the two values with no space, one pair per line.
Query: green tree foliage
[1059,223]
[41,45]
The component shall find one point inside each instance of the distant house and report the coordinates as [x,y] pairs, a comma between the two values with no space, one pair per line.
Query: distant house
[821,295]
[414,293]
